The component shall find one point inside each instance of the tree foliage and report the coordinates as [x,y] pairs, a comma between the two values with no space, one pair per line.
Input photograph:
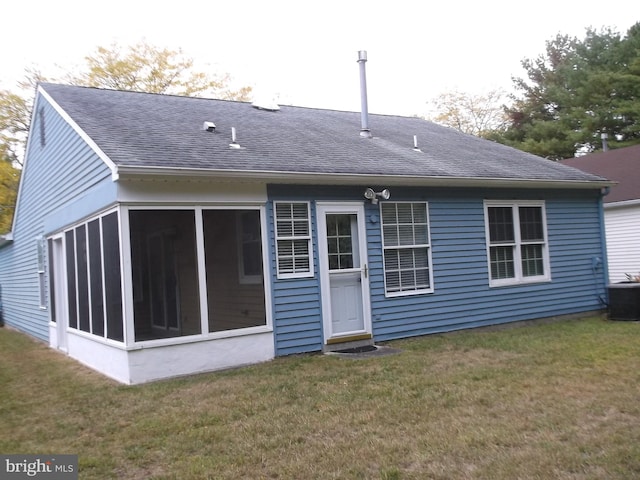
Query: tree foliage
[142,68]
[478,115]
[14,125]
[575,92]
[146,68]
[9,180]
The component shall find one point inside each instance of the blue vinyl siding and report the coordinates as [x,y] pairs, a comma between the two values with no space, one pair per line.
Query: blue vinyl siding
[462,297]
[296,301]
[55,176]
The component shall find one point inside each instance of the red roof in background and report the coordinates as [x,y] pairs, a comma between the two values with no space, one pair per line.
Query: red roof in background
[621,165]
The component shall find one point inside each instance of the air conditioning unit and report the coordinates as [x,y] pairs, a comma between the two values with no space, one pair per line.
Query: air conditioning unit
[624,301]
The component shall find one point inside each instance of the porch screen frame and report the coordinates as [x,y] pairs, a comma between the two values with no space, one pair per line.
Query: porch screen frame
[108,331]
[129,280]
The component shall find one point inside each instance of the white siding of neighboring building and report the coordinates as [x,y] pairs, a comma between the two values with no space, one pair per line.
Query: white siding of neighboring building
[622,224]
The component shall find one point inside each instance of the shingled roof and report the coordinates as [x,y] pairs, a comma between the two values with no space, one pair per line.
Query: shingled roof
[621,165]
[141,133]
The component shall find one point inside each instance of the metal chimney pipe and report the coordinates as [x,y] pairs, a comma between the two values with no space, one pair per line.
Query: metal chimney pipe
[364,113]
[605,145]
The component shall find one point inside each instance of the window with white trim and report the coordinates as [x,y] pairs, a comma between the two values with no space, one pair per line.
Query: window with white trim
[406,248]
[516,242]
[293,239]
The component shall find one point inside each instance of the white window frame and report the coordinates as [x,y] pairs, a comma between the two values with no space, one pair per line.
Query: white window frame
[518,278]
[385,248]
[278,238]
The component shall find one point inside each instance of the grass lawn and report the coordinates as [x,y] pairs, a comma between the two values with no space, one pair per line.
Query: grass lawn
[546,401]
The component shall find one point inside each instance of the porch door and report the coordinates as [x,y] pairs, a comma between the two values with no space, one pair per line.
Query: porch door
[59,290]
[344,272]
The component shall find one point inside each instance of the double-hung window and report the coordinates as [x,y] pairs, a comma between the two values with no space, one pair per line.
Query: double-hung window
[517,242]
[293,239]
[406,247]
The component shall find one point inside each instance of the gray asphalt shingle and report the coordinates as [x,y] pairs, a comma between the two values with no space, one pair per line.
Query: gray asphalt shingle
[163,131]
[621,165]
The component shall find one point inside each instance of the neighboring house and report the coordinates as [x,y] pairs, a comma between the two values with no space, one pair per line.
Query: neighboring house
[621,206]
[157,236]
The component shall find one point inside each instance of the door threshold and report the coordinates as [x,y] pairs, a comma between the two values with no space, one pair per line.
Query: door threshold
[354,341]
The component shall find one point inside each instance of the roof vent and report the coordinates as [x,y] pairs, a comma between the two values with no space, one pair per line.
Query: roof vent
[415,144]
[271,106]
[209,126]
[234,145]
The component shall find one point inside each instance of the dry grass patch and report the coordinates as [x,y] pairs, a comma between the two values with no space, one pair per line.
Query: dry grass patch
[544,401]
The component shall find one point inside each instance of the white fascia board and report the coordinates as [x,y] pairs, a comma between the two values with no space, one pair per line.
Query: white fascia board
[353,179]
[87,139]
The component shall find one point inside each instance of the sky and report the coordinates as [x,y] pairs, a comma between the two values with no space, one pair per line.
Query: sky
[305,53]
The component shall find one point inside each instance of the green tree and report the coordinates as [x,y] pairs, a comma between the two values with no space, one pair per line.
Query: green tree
[9,180]
[575,92]
[478,115]
[142,68]
[146,68]
[15,110]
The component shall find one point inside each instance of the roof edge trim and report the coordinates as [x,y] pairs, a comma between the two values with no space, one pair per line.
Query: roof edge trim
[267,176]
[86,138]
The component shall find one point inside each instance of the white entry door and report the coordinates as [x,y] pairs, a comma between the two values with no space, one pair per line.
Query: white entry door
[344,271]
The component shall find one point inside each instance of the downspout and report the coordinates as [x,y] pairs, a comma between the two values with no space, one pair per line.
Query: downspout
[603,298]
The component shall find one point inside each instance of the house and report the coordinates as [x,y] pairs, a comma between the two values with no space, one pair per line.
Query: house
[158,236]
[621,206]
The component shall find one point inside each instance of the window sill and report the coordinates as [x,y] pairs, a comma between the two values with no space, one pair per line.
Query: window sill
[410,293]
[518,282]
[295,276]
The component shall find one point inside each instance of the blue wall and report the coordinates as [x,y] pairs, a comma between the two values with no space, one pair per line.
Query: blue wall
[462,297]
[59,175]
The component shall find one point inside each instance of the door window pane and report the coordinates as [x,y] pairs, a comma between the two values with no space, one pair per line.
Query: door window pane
[339,241]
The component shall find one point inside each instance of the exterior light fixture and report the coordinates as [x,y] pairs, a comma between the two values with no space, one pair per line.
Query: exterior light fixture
[372,195]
